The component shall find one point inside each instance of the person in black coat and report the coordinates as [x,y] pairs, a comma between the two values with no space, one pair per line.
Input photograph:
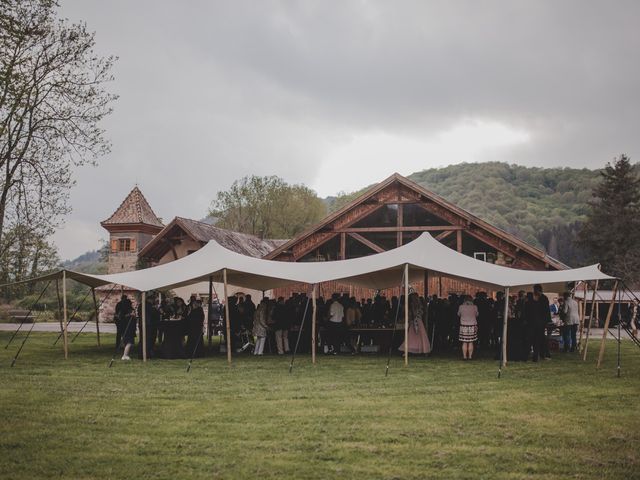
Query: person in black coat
[540,317]
[124,309]
[151,326]
[195,324]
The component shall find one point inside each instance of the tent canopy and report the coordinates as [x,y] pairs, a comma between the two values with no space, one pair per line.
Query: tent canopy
[378,271]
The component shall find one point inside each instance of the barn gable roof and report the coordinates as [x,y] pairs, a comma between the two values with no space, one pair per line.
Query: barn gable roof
[464,217]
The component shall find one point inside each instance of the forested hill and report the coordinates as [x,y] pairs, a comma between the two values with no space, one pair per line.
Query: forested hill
[522,200]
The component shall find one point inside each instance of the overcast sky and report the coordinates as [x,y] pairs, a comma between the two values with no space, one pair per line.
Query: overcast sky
[338,95]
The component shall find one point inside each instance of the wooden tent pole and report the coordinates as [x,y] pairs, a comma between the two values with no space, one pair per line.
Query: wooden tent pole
[210,311]
[583,313]
[505,320]
[606,324]
[65,339]
[95,306]
[60,314]
[313,324]
[406,314]
[226,316]
[144,326]
[593,307]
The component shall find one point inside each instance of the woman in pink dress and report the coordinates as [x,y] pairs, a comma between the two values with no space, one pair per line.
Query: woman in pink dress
[418,342]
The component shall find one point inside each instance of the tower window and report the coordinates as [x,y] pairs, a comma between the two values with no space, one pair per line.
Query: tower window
[123,245]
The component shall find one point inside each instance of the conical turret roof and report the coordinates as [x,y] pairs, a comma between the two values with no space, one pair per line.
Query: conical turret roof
[133,210]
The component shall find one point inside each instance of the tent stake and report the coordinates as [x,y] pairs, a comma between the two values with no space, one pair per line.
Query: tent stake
[226,316]
[593,307]
[606,325]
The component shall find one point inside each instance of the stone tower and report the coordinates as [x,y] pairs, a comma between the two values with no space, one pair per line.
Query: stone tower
[130,228]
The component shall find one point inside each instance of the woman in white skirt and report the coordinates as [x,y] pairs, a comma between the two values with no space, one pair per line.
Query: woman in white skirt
[260,325]
[468,314]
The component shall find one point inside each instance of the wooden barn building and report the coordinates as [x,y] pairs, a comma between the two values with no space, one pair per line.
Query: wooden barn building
[393,213]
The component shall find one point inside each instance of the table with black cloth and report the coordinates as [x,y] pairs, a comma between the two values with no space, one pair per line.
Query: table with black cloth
[172,338]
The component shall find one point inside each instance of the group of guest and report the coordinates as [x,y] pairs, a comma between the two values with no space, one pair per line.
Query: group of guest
[167,323]
[435,324]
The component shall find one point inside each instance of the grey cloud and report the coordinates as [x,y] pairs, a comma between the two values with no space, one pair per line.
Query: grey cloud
[212,91]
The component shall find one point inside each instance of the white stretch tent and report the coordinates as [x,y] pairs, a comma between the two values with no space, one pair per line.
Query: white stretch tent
[213,262]
[378,271]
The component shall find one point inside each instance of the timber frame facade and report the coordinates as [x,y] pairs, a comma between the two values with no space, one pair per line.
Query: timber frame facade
[398,210]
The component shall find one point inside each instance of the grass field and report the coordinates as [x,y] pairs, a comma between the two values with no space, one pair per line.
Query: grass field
[438,418]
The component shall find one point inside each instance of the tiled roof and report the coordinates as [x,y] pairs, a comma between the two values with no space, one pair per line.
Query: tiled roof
[238,242]
[203,232]
[134,210]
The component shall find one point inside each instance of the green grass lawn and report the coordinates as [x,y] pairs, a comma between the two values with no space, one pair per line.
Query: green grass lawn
[438,418]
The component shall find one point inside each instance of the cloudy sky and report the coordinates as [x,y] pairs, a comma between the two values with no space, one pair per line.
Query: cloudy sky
[340,94]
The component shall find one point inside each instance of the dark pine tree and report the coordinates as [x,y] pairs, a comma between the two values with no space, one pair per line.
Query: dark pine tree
[611,233]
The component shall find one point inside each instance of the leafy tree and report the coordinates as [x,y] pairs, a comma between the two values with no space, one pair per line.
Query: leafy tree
[267,207]
[52,99]
[611,233]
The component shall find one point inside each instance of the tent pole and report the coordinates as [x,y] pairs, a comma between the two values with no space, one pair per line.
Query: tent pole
[619,326]
[65,339]
[593,307]
[406,314]
[95,306]
[313,324]
[505,321]
[226,316]
[144,326]
[210,311]
[583,304]
[59,305]
[606,324]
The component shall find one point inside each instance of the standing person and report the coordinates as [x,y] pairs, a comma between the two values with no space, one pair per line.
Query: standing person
[249,311]
[633,321]
[417,341]
[260,325]
[334,324]
[129,335]
[541,317]
[122,316]
[149,319]
[195,325]
[281,326]
[571,321]
[468,314]
[518,330]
